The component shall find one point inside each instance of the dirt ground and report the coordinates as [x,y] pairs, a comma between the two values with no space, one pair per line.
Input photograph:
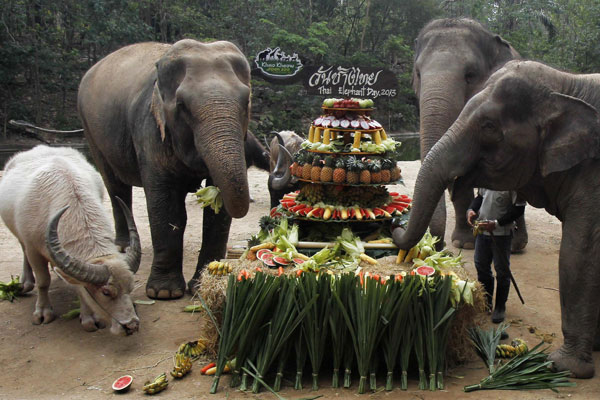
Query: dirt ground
[61,360]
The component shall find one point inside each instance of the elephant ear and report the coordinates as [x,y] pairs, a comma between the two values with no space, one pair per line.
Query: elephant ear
[157,108]
[504,51]
[571,134]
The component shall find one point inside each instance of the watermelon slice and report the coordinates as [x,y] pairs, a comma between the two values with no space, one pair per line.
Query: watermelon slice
[425,270]
[280,261]
[261,252]
[123,383]
[298,261]
[268,261]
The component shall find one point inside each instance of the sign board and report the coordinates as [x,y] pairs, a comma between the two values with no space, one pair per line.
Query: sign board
[275,64]
[364,82]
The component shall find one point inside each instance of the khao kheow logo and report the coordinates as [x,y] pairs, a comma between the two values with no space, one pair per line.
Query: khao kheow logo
[275,63]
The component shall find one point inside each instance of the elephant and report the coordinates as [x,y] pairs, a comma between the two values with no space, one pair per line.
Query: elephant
[166,117]
[453,59]
[281,181]
[256,154]
[536,130]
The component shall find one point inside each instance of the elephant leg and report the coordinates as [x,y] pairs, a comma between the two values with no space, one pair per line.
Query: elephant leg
[215,233]
[115,187]
[579,302]
[462,237]
[168,217]
[437,226]
[597,337]
[520,238]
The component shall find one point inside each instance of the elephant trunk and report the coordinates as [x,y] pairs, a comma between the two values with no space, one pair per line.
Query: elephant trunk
[280,178]
[219,139]
[442,97]
[445,161]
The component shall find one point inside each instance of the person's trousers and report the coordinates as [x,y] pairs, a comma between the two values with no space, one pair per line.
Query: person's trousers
[496,249]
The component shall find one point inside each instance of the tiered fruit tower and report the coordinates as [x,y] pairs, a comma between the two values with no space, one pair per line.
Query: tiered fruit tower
[345,164]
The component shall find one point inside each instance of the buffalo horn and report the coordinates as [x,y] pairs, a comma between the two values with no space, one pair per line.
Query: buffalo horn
[82,271]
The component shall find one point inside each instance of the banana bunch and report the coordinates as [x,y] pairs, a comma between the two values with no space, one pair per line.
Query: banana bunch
[159,384]
[183,365]
[219,268]
[193,349]
[516,348]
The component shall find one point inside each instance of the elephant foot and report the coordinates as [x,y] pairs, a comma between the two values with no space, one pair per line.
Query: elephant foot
[463,239]
[580,368]
[165,286]
[519,242]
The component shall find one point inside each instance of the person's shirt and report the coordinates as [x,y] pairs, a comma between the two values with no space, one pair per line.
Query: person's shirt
[500,206]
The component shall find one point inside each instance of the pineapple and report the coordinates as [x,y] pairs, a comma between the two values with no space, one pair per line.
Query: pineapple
[295,164]
[375,171]
[307,167]
[352,170]
[315,172]
[365,174]
[339,173]
[386,164]
[327,170]
[395,172]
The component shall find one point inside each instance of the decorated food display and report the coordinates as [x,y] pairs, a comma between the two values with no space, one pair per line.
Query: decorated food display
[344,165]
[323,273]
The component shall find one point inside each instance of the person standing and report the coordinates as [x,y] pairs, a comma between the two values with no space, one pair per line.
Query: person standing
[497,212]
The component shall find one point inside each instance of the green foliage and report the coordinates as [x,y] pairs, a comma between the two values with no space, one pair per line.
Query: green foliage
[48,45]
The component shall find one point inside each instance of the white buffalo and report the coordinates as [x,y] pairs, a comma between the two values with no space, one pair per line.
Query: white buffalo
[39,187]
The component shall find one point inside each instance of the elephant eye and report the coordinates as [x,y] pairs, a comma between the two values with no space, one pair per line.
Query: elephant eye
[488,126]
[470,77]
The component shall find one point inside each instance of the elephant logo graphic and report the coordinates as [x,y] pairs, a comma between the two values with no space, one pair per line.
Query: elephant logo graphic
[275,63]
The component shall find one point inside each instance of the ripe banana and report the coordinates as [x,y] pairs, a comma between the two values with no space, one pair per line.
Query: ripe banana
[193,349]
[219,268]
[159,384]
[516,348]
[183,365]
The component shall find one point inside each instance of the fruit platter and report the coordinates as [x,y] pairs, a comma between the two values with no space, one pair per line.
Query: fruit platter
[317,202]
[346,126]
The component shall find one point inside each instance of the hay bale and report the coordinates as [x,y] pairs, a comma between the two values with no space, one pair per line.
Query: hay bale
[460,349]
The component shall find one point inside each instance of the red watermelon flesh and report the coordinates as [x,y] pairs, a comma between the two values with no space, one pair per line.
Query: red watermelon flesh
[122,383]
[260,253]
[425,270]
[268,261]
[298,261]
[281,261]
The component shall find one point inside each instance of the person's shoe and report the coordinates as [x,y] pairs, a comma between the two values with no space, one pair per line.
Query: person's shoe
[498,315]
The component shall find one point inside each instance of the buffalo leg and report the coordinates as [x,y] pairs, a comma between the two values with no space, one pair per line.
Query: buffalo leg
[28,280]
[43,308]
[167,216]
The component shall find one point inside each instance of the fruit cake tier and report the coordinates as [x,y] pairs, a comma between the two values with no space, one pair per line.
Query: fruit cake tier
[347,127]
[345,169]
[344,204]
